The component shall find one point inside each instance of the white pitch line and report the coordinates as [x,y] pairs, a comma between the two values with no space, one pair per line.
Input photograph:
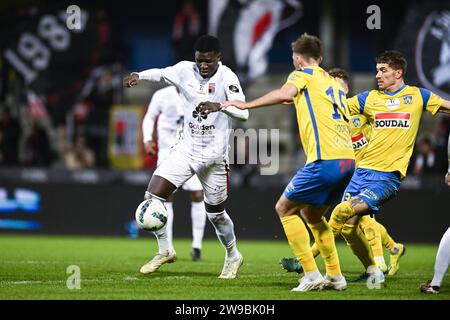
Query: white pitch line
[126,278]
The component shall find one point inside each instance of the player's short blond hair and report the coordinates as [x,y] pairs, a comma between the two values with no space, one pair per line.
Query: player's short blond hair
[308,46]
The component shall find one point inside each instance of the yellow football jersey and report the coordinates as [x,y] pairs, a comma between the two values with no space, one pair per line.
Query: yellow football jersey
[360,131]
[394,118]
[322,115]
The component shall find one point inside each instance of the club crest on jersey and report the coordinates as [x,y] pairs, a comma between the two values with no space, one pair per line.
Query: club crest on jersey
[356,122]
[359,141]
[407,99]
[393,103]
[392,120]
[211,88]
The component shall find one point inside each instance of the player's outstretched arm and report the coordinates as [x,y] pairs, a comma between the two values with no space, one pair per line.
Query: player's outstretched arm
[207,107]
[130,80]
[283,96]
[447,176]
[149,75]
[445,107]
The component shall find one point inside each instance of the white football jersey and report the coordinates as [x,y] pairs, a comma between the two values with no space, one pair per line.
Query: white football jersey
[166,103]
[205,137]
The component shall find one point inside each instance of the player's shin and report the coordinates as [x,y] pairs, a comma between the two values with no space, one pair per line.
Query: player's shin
[386,239]
[298,239]
[358,244]
[324,239]
[169,224]
[225,232]
[198,217]
[165,244]
[373,235]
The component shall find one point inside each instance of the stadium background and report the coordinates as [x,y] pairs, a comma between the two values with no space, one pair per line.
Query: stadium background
[68,88]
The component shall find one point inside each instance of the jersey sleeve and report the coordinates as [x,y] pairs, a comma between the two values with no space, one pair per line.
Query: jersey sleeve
[299,79]
[431,102]
[357,103]
[232,87]
[153,109]
[173,74]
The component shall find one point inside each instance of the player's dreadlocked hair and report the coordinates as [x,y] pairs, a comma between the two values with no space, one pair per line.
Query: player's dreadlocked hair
[207,43]
[308,46]
[339,73]
[394,59]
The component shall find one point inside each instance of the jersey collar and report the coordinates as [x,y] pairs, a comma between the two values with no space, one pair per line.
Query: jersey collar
[396,91]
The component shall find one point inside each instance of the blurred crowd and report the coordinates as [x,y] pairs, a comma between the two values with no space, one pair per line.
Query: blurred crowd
[80,138]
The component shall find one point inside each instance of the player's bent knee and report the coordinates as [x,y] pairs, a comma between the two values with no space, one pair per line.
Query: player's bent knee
[160,187]
[197,196]
[347,230]
[280,208]
[214,209]
[342,212]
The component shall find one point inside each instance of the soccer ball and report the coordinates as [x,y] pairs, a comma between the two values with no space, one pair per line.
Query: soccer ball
[151,215]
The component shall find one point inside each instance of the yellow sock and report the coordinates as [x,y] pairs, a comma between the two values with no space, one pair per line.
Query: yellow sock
[358,243]
[324,239]
[386,239]
[298,238]
[373,235]
[315,250]
[341,213]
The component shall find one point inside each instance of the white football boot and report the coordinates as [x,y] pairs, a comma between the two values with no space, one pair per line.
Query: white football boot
[158,261]
[332,283]
[231,267]
[306,284]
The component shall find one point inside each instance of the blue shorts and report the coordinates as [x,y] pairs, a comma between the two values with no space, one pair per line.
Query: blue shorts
[321,182]
[373,187]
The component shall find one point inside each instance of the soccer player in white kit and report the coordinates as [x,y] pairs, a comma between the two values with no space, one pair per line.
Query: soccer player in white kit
[443,255]
[203,85]
[167,106]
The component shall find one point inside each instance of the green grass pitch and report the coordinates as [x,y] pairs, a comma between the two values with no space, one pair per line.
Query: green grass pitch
[35,267]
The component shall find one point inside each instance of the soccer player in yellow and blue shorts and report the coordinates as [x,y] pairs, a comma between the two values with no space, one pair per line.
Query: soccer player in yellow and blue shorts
[375,232]
[322,117]
[394,112]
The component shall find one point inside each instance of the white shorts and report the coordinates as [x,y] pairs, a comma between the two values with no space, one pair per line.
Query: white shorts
[193,184]
[177,168]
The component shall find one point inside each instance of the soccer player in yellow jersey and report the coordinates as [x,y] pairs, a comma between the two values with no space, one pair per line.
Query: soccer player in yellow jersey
[323,124]
[375,232]
[394,112]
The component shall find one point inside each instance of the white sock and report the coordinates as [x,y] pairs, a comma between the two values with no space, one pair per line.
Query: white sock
[164,246]
[225,232]
[198,216]
[373,270]
[164,242]
[442,259]
[338,277]
[169,224]
[313,275]
[380,259]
